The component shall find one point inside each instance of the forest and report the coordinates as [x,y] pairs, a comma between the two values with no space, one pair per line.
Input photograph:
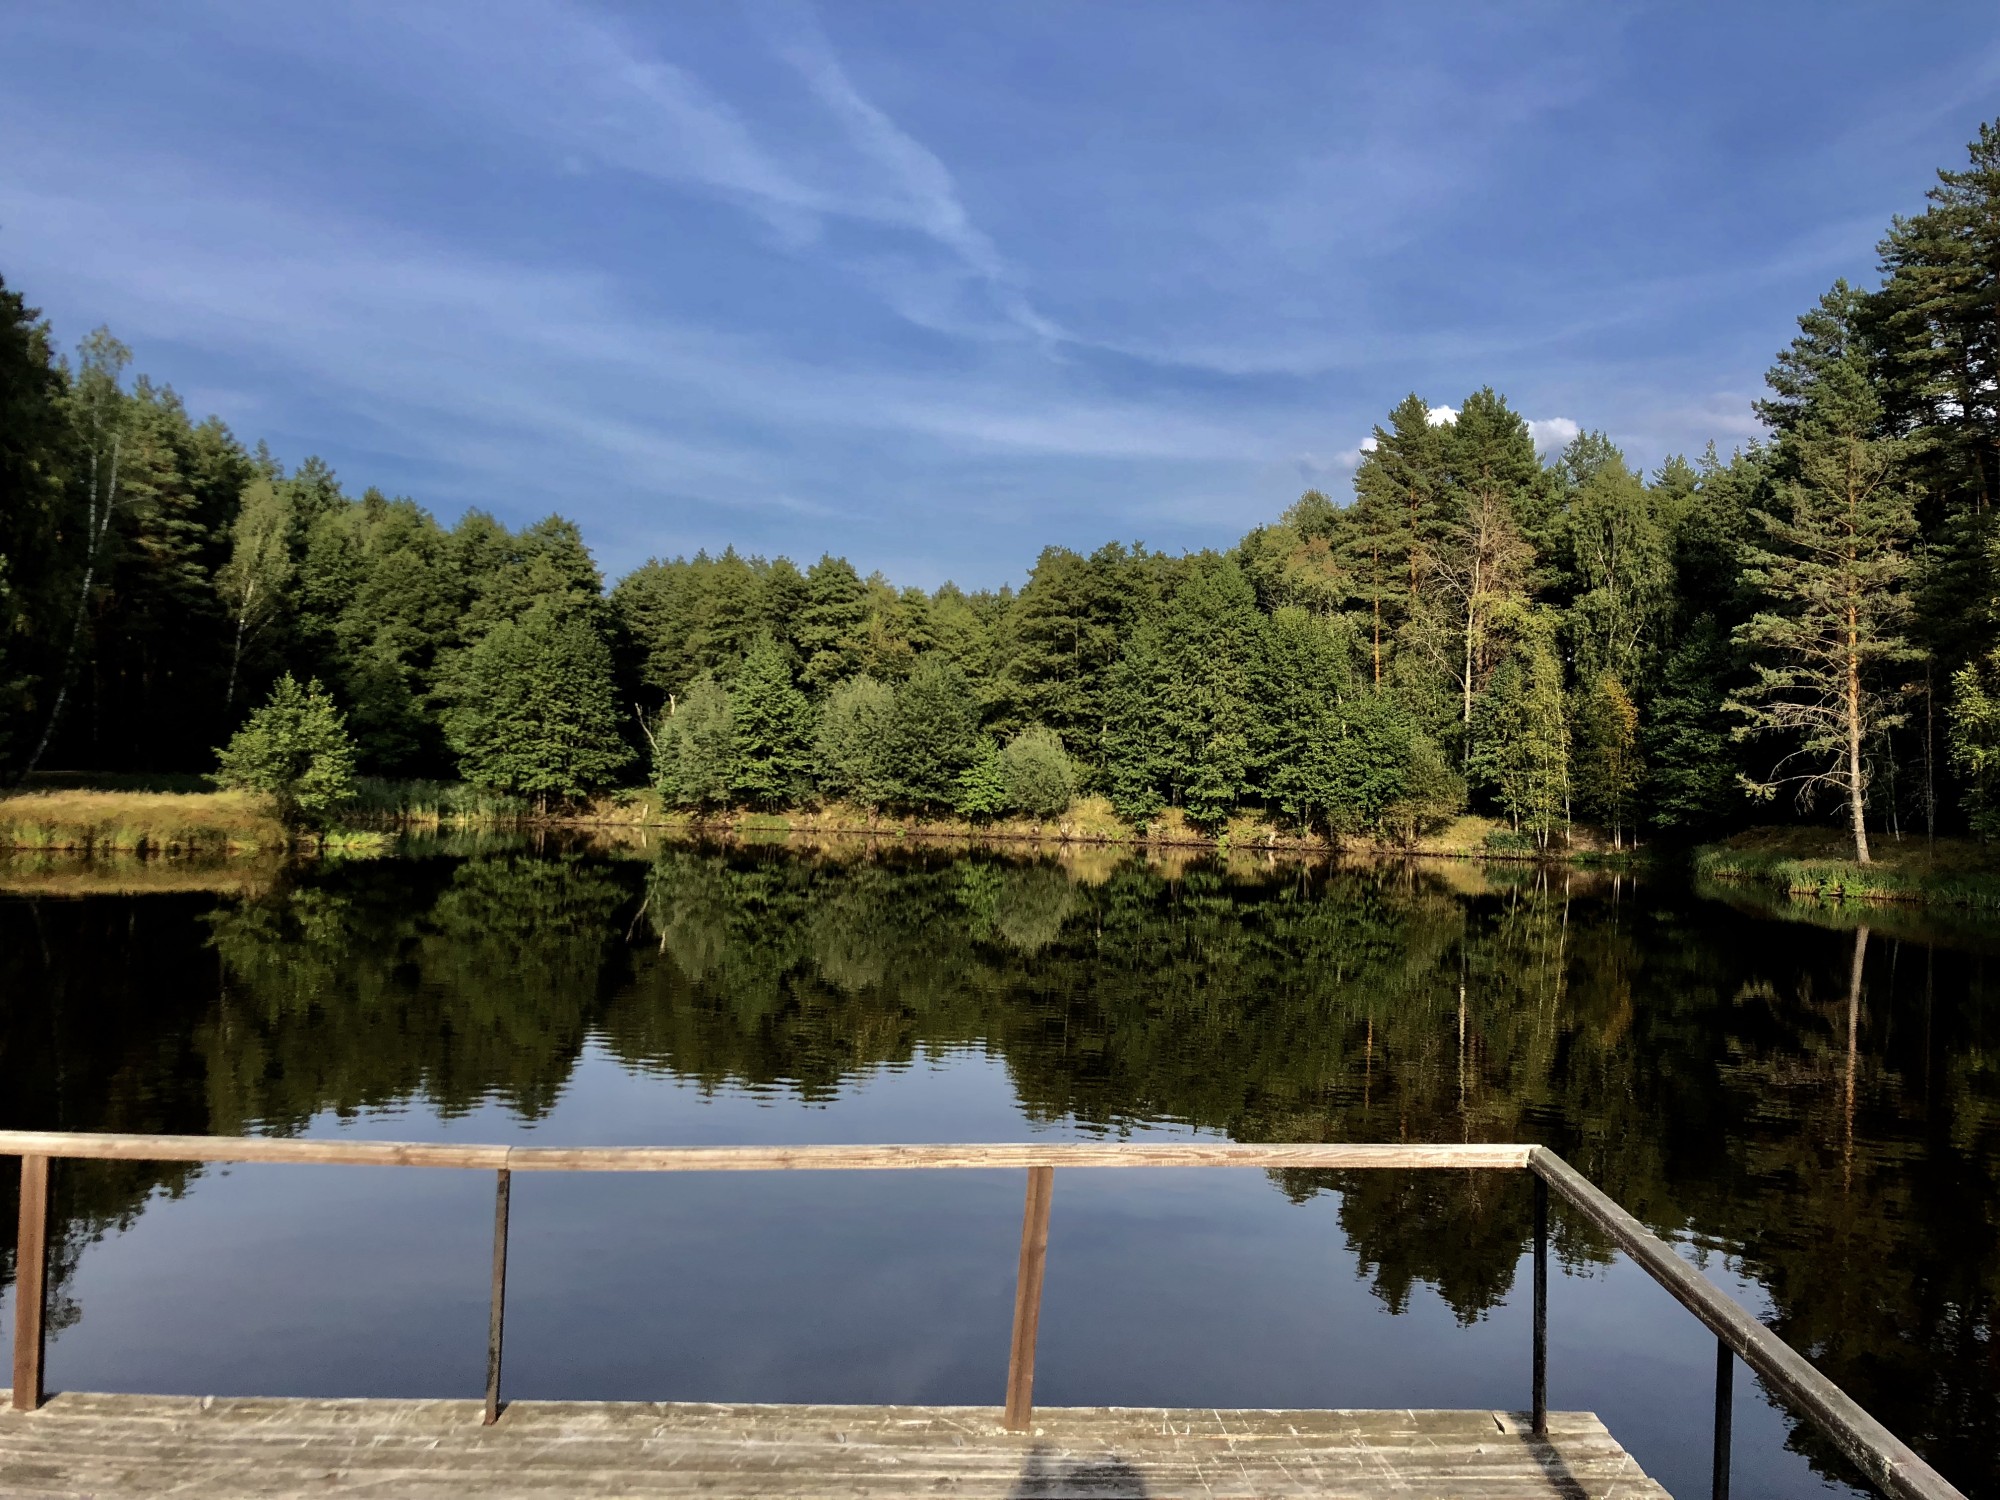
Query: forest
[1804,628]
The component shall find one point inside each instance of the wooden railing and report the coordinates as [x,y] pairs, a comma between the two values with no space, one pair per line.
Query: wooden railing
[1883,1458]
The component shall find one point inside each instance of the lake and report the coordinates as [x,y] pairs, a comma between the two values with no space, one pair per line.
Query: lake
[1828,1149]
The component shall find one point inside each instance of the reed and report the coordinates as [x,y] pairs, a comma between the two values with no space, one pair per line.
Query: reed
[383,803]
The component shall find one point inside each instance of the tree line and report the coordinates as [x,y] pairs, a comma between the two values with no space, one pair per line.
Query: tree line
[1809,622]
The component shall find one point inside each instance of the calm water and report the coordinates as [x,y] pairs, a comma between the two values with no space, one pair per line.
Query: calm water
[1832,1155]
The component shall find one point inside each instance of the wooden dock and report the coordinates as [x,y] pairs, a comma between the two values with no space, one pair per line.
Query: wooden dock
[101,1446]
[112,1447]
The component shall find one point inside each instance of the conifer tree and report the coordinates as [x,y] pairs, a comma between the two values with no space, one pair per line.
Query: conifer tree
[533,708]
[1180,714]
[1480,571]
[31,519]
[772,723]
[933,734]
[1832,571]
[1392,531]
[829,630]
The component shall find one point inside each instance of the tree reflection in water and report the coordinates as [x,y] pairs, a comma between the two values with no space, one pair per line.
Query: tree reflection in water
[1819,1101]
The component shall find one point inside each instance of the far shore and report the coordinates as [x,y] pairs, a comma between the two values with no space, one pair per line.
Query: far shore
[1802,863]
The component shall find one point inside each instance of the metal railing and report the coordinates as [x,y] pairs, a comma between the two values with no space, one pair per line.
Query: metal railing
[1888,1463]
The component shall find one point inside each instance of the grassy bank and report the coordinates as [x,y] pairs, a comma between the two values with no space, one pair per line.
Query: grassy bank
[1089,820]
[1817,864]
[149,822]
[144,816]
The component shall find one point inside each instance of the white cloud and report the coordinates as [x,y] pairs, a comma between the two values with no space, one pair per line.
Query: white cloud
[1552,434]
[1442,416]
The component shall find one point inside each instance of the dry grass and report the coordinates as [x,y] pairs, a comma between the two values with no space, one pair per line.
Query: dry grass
[104,822]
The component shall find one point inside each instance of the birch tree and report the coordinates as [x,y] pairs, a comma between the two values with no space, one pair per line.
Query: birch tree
[253,581]
[97,413]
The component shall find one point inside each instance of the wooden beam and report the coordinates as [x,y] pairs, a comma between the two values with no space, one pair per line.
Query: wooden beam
[1188,1153]
[1028,1298]
[253,1148]
[31,1270]
[1053,1154]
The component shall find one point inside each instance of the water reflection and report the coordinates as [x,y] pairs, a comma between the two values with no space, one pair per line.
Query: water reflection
[1816,1102]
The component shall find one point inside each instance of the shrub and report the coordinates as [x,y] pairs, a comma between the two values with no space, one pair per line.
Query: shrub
[1037,773]
[296,750]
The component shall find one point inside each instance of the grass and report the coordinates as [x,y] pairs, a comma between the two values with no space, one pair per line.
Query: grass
[1817,864]
[139,822]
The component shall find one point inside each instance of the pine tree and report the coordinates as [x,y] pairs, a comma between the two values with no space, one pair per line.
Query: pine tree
[533,708]
[1180,715]
[1832,571]
[1392,531]
[773,728]
[1480,571]
[829,630]
[295,749]
[933,734]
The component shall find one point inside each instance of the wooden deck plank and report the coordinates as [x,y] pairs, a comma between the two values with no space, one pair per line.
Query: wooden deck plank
[111,1446]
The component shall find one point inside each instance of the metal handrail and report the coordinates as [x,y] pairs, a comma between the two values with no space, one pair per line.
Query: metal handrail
[1889,1463]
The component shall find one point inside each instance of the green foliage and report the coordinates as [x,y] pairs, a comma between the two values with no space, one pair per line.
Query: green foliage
[694,748]
[1036,773]
[1975,741]
[1180,710]
[532,708]
[982,785]
[1609,771]
[933,735]
[1521,737]
[771,723]
[295,749]
[852,742]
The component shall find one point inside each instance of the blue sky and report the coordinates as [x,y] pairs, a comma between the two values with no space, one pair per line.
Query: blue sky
[935,284]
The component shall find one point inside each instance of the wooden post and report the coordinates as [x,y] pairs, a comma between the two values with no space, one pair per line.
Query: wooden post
[1541,1378]
[31,1267]
[1725,1372]
[1028,1298]
[497,1310]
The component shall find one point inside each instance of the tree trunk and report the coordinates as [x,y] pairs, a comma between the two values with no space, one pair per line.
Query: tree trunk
[1854,742]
